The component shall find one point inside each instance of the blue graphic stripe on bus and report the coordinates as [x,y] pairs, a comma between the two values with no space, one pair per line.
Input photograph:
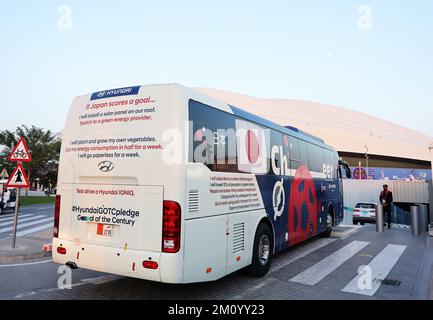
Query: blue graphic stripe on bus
[304,202]
[128,91]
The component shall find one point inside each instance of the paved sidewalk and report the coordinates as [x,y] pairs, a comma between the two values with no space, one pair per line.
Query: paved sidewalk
[332,262]
[27,248]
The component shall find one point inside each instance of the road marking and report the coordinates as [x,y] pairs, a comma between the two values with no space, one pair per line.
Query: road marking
[28,224]
[298,253]
[30,206]
[95,281]
[25,264]
[2,224]
[12,217]
[380,267]
[247,290]
[323,268]
[345,234]
[35,229]
[41,208]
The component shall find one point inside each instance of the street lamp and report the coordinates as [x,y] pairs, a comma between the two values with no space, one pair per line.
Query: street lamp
[366,159]
[431,155]
[431,200]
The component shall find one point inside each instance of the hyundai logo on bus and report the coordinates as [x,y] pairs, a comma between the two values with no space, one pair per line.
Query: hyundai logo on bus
[128,91]
[106,166]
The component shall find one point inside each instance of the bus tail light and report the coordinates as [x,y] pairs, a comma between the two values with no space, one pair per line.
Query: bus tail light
[150,265]
[171,227]
[61,250]
[56,217]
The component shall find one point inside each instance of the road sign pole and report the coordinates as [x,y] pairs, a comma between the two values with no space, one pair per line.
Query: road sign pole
[18,179]
[17,204]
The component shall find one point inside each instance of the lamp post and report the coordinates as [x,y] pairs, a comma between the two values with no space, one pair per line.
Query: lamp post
[366,160]
[431,190]
[431,154]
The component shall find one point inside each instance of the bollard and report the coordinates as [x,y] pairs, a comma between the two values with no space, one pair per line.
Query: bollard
[414,214]
[423,218]
[379,218]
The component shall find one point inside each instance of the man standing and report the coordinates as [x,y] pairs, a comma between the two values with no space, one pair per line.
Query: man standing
[386,200]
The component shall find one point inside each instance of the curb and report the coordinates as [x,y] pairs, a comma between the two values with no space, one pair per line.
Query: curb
[24,257]
[46,252]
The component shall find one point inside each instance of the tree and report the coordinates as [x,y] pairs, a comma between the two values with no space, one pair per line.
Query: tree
[44,147]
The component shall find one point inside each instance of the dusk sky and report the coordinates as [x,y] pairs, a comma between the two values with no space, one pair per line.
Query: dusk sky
[369,56]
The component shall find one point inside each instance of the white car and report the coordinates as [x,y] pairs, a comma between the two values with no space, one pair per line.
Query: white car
[364,212]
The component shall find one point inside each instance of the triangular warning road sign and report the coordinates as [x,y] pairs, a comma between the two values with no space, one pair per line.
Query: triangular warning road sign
[20,152]
[18,178]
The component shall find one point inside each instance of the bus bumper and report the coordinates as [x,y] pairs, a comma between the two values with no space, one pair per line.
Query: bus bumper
[118,261]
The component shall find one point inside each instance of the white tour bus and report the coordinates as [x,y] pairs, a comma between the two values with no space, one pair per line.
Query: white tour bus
[163,183]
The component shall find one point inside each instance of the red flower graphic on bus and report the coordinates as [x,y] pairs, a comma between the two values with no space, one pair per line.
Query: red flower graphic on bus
[303,207]
[252,146]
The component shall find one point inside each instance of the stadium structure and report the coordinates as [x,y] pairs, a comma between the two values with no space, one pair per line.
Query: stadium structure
[384,149]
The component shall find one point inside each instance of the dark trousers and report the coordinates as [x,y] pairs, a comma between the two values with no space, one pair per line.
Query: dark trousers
[388,216]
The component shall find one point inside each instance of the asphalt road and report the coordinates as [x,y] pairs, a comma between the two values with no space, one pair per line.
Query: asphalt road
[31,219]
[318,269]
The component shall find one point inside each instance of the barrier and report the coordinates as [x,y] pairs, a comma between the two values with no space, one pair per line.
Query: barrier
[415,217]
[379,218]
[423,218]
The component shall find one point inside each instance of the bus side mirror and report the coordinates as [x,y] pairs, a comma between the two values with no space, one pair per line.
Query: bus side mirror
[348,172]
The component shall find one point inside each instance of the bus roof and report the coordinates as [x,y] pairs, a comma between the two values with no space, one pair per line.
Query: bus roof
[287,130]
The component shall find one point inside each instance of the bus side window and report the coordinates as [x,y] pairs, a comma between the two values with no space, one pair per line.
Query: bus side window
[213,138]
[303,153]
[276,139]
[316,158]
[292,151]
[331,164]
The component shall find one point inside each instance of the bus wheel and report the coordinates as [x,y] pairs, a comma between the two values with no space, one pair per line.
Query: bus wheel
[262,252]
[329,224]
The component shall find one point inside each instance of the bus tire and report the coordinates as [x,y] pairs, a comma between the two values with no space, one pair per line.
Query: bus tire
[262,251]
[329,224]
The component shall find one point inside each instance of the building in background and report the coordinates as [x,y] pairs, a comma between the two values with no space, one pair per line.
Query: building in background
[384,149]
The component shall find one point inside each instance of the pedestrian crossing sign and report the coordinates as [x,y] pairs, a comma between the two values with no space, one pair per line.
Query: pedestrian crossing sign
[20,152]
[18,178]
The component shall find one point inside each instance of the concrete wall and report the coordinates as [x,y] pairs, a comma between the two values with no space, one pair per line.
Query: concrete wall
[356,191]
[410,191]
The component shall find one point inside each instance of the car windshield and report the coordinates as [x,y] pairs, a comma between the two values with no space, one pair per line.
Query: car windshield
[366,206]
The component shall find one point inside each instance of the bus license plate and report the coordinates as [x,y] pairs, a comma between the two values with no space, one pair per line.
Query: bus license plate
[106,230]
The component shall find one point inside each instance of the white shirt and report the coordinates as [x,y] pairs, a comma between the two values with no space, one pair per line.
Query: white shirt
[6,196]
